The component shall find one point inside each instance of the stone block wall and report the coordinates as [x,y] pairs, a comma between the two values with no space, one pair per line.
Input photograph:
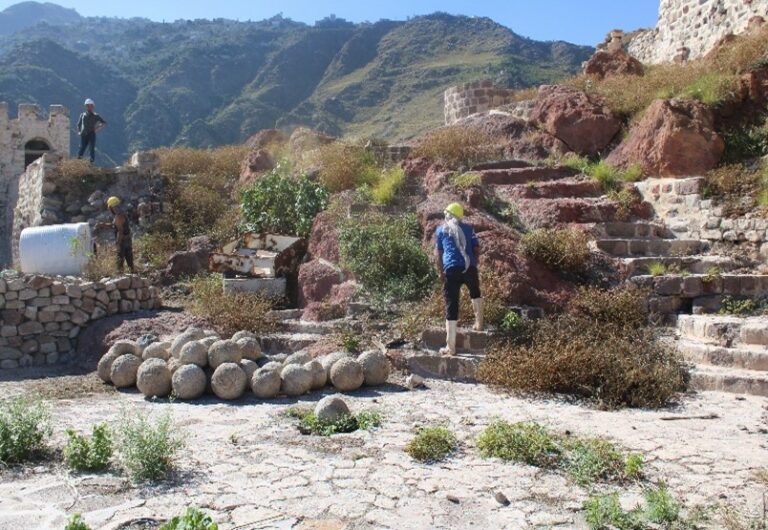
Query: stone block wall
[391,153]
[41,317]
[464,100]
[688,29]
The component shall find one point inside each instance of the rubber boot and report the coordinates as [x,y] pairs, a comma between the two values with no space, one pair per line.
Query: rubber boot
[450,338]
[477,306]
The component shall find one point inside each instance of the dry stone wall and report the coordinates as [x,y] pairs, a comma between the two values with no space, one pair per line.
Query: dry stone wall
[43,316]
[688,29]
[464,100]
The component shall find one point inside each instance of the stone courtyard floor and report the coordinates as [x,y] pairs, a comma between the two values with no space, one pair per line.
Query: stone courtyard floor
[248,465]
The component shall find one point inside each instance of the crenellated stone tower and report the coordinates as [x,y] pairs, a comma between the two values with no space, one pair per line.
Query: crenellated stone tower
[22,141]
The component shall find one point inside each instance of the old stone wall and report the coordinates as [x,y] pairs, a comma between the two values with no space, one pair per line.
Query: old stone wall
[464,100]
[688,29]
[44,197]
[41,317]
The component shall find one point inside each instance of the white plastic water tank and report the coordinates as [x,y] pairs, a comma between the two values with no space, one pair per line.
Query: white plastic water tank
[55,249]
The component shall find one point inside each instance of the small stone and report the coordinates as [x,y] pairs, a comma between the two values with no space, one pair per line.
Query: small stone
[414,381]
[452,498]
[501,499]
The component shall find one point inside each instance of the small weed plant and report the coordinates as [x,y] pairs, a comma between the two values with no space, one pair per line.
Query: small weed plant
[731,305]
[148,448]
[432,444]
[657,268]
[75,522]
[389,183]
[738,188]
[386,256]
[24,429]
[659,510]
[83,453]
[193,519]
[511,322]
[465,180]
[457,146]
[564,250]
[529,443]
[309,423]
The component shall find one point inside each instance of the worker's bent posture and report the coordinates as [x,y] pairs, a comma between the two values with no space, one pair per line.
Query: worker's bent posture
[88,125]
[122,234]
[457,251]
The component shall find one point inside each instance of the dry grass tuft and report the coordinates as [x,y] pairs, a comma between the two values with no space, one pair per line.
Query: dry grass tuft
[345,166]
[564,250]
[457,146]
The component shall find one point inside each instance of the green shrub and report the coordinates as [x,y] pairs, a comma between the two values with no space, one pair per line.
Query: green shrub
[386,256]
[564,250]
[604,512]
[529,443]
[229,312]
[388,185]
[745,143]
[657,268]
[511,322]
[589,461]
[345,166]
[193,519]
[575,162]
[147,448]
[743,306]
[633,466]
[282,205]
[154,248]
[661,507]
[621,306]
[432,444]
[75,522]
[457,146]
[661,510]
[24,428]
[84,454]
[311,424]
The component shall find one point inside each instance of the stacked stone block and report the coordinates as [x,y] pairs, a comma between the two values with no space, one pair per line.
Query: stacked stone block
[688,29]
[41,316]
[464,100]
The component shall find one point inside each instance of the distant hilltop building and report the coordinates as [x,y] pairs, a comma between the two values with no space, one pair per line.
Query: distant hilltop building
[688,29]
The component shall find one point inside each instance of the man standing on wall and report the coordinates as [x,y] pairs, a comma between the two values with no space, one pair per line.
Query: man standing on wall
[87,126]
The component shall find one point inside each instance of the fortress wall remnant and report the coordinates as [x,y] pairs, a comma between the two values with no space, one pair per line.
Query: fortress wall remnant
[470,98]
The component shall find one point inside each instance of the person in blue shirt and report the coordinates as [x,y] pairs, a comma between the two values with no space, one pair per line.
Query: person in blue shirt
[457,250]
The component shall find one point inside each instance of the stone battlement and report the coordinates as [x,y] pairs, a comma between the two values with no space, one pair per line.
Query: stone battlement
[470,98]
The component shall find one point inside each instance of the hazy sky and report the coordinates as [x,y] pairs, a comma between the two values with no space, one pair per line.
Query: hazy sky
[578,21]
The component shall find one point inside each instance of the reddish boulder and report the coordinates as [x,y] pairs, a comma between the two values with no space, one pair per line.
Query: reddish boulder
[255,164]
[303,140]
[606,64]
[583,124]
[192,261]
[334,306]
[675,138]
[316,280]
[324,238]
[266,137]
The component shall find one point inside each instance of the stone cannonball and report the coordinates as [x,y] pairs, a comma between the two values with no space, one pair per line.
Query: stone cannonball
[375,367]
[157,350]
[153,378]
[228,381]
[319,377]
[265,383]
[124,369]
[296,380]
[194,352]
[300,357]
[329,360]
[249,367]
[331,408]
[243,335]
[347,375]
[188,382]
[250,349]
[224,351]
[188,336]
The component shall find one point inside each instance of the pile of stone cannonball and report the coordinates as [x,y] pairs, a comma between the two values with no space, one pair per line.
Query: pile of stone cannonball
[199,362]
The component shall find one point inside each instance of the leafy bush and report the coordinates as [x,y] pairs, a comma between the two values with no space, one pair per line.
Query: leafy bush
[155,248]
[345,166]
[564,250]
[529,443]
[24,427]
[602,349]
[605,511]
[432,444]
[738,189]
[311,424]
[147,448]
[511,322]
[229,312]
[457,146]
[661,510]
[84,454]
[588,461]
[390,181]
[221,163]
[75,522]
[193,519]
[386,256]
[283,205]
[743,306]
[744,143]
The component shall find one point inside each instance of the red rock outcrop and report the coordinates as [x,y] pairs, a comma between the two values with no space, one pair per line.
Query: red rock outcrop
[606,64]
[266,137]
[675,138]
[255,164]
[584,124]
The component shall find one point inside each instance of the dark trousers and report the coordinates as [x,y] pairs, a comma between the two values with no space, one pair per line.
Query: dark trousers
[125,254]
[455,277]
[87,139]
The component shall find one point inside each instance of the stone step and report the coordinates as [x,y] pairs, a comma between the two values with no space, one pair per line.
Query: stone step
[650,247]
[305,327]
[734,380]
[690,264]
[553,189]
[541,213]
[467,340]
[501,164]
[705,285]
[746,358]
[725,330]
[286,314]
[461,367]
[524,175]
[275,343]
[628,230]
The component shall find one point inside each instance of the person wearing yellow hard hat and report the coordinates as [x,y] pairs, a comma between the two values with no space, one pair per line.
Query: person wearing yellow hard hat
[457,249]
[123,239]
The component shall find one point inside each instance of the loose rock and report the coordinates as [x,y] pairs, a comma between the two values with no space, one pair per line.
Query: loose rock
[153,378]
[124,369]
[188,382]
[228,381]
[331,408]
[375,367]
[265,383]
[296,380]
[194,352]
[347,375]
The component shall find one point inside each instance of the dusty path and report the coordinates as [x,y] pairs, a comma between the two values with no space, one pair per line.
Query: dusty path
[249,465]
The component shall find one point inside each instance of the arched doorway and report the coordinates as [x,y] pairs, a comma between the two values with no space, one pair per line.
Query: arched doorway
[34,149]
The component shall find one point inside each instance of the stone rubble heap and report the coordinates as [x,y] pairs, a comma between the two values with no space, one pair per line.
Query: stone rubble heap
[199,362]
[42,316]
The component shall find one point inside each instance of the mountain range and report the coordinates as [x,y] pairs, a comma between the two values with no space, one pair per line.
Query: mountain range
[212,82]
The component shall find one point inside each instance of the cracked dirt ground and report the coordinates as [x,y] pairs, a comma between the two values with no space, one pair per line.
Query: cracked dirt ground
[250,467]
